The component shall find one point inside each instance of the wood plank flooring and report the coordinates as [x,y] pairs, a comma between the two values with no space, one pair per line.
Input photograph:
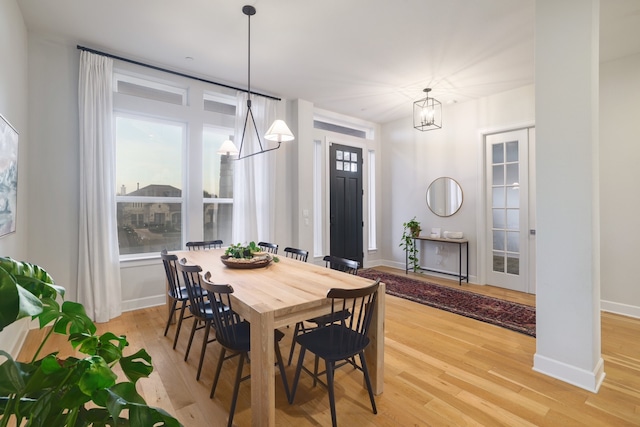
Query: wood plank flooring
[441,369]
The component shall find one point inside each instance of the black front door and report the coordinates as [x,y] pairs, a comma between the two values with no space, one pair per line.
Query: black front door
[346,202]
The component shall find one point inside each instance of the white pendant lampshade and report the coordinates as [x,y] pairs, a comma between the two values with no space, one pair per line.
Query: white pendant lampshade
[279,132]
[228,148]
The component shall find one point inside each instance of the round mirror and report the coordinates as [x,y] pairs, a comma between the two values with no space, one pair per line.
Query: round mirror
[444,196]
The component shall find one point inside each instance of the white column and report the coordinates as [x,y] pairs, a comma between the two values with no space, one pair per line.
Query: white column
[568,234]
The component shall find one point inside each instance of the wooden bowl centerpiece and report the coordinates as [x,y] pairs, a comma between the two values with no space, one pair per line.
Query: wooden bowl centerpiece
[246,256]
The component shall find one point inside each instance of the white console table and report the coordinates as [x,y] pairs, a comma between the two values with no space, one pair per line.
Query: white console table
[460,243]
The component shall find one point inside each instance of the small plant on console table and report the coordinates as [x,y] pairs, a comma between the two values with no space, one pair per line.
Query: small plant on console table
[411,229]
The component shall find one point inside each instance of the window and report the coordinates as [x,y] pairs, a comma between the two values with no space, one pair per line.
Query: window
[218,185]
[167,162]
[149,177]
[373,244]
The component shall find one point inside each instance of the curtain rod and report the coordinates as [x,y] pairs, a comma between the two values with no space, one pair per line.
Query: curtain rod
[177,73]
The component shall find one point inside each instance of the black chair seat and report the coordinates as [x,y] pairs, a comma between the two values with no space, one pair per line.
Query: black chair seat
[241,333]
[332,345]
[181,293]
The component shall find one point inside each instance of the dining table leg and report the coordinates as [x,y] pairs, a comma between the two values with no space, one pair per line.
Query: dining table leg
[374,353]
[263,393]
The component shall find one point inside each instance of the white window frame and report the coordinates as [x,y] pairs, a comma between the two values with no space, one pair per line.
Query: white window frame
[195,119]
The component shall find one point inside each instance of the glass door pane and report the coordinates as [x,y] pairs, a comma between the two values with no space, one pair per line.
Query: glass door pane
[505,205]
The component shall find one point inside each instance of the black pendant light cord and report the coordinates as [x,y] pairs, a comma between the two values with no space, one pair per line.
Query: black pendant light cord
[250,10]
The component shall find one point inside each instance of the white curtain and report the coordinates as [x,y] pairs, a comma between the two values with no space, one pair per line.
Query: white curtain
[98,257]
[254,177]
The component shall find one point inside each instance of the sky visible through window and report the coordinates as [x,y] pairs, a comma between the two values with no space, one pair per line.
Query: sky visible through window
[150,152]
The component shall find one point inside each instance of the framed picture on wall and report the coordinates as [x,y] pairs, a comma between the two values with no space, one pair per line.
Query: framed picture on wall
[8,177]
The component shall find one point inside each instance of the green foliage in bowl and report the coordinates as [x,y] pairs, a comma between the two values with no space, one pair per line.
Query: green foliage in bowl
[242,251]
[248,251]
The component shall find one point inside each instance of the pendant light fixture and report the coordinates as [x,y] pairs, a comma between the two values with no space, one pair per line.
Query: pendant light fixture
[427,113]
[279,131]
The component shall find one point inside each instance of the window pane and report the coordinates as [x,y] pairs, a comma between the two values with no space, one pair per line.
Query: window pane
[513,177]
[498,262]
[498,153]
[498,240]
[498,197]
[149,227]
[513,241]
[148,157]
[217,168]
[513,197]
[513,219]
[498,175]
[512,151]
[498,218]
[513,264]
[217,222]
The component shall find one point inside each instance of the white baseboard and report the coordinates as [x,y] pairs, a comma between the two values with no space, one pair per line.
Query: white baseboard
[588,380]
[619,308]
[136,304]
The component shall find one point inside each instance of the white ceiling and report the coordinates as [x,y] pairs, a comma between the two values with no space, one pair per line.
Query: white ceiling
[368,59]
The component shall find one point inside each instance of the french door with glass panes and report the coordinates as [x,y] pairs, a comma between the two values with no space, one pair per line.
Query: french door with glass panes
[507,160]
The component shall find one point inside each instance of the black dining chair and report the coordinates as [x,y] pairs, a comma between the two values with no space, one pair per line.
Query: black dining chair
[299,254]
[199,306]
[336,263]
[208,244]
[234,336]
[176,293]
[341,264]
[268,247]
[341,341]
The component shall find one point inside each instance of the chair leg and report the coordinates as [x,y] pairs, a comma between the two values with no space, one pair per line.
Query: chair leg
[218,369]
[171,311]
[315,371]
[282,372]
[179,326]
[205,339]
[367,380]
[193,332]
[293,342]
[297,374]
[236,388]
[332,398]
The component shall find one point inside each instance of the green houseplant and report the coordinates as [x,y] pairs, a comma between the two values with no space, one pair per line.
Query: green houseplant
[248,251]
[49,391]
[411,229]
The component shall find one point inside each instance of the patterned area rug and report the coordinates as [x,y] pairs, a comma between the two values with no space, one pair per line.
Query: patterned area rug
[517,317]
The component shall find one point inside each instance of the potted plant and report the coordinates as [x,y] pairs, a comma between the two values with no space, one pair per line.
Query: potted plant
[52,391]
[411,229]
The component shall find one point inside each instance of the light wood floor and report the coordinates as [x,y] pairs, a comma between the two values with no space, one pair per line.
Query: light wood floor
[441,369]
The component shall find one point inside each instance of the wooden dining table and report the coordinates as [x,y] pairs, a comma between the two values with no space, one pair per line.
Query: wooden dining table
[282,294]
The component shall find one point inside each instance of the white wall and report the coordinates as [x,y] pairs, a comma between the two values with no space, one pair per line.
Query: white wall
[411,160]
[619,179]
[13,107]
[53,159]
